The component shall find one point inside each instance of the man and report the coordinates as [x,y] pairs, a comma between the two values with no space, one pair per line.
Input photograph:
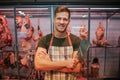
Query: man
[56,52]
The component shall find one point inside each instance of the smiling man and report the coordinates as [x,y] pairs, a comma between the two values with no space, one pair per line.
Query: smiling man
[56,52]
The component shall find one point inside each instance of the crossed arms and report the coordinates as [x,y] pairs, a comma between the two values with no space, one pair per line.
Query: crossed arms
[43,62]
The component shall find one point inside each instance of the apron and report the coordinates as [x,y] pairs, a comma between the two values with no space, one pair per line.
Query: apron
[59,53]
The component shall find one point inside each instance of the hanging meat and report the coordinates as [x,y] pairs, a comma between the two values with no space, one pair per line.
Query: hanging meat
[27,24]
[27,28]
[100,40]
[26,41]
[39,34]
[19,22]
[8,60]
[5,35]
[83,32]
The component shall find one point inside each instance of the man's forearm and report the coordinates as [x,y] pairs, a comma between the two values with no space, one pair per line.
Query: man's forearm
[76,69]
[47,65]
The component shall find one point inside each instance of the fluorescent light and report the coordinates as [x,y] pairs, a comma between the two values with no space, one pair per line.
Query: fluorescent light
[21,13]
[84,16]
[77,8]
[32,8]
[4,16]
[105,8]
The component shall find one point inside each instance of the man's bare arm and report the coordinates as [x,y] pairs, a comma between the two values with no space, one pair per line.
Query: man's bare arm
[43,62]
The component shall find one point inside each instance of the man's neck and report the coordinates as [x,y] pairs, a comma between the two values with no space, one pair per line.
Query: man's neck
[60,35]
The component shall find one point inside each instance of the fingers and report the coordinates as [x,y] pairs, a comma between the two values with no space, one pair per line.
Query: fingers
[71,63]
[44,55]
[75,62]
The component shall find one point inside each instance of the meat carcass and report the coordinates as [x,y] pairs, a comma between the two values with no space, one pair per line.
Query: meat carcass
[5,35]
[100,40]
[39,35]
[19,22]
[8,60]
[83,32]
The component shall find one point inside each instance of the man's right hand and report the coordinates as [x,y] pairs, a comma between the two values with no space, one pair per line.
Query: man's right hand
[44,55]
[71,63]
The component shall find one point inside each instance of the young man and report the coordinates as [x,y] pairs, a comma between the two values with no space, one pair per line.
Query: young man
[56,52]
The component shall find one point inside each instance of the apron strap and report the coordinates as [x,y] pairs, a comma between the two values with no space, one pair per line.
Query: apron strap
[51,41]
[68,36]
[69,40]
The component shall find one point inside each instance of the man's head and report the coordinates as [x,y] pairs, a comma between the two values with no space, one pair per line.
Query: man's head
[61,18]
[62,9]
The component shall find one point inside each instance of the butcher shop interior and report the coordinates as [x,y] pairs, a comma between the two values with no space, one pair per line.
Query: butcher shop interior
[18,45]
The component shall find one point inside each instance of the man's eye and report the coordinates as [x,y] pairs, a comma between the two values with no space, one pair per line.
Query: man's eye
[58,18]
[65,19]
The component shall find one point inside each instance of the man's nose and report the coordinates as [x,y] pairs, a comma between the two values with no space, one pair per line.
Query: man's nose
[61,21]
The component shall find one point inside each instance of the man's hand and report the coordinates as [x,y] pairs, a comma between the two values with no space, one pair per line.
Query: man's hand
[44,55]
[71,63]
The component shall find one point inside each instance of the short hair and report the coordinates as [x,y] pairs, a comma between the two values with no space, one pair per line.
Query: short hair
[62,9]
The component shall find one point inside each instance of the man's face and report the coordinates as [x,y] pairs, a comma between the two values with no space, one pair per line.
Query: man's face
[61,21]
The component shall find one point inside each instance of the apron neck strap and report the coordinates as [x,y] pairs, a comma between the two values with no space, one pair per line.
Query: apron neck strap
[69,40]
[51,41]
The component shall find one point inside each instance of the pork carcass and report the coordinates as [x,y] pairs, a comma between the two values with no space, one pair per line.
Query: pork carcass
[83,32]
[5,35]
[100,40]
[19,22]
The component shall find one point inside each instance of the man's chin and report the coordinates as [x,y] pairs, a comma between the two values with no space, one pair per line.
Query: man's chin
[61,31]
